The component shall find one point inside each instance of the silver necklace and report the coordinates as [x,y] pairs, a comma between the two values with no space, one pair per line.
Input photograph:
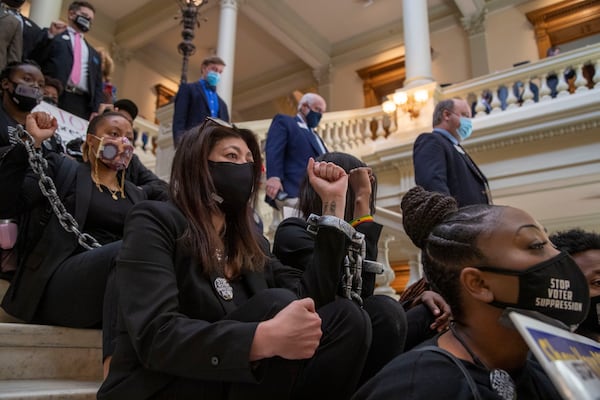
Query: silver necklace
[500,380]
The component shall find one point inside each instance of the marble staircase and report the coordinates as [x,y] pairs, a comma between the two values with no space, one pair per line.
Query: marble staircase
[48,362]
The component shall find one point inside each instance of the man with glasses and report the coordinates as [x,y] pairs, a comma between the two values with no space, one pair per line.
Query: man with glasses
[441,164]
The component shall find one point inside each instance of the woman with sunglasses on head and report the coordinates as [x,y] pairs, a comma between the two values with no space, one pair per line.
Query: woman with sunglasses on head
[482,259]
[57,280]
[206,311]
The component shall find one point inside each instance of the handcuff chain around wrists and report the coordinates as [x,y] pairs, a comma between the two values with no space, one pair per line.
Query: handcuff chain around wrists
[39,164]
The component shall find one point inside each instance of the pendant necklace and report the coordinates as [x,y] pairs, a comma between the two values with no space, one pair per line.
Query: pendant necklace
[500,380]
[222,285]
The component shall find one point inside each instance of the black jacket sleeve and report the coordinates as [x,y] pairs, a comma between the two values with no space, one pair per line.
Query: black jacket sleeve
[154,187]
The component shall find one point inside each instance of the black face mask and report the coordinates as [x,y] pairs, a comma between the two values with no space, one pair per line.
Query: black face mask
[14,3]
[83,23]
[592,321]
[313,118]
[233,183]
[556,288]
[50,100]
[25,97]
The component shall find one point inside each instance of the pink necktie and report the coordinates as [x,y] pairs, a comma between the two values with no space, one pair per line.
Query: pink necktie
[76,71]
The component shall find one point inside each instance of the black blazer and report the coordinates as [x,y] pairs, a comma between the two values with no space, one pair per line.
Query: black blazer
[32,36]
[191,108]
[55,56]
[295,246]
[173,317]
[440,166]
[47,245]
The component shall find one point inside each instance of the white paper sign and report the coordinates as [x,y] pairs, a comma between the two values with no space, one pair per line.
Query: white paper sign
[69,126]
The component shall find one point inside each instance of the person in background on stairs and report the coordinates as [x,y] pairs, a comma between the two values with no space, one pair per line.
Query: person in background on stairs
[584,247]
[482,259]
[206,310]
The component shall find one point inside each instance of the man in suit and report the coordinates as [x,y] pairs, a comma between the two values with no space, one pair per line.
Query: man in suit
[32,33]
[197,100]
[291,141]
[442,164]
[68,57]
[11,39]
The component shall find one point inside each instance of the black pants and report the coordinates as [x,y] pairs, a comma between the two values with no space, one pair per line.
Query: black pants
[332,373]
[388,321]
[78,104]
[74,295]
[419,320]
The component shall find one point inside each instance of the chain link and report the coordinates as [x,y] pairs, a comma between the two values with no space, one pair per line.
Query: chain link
[39,165]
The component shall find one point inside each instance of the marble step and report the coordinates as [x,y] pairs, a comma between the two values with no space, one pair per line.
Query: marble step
[48,389]
[30,351]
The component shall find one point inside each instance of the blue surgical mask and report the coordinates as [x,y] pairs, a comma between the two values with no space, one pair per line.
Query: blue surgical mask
[466,128]
[313,118]
[213,78]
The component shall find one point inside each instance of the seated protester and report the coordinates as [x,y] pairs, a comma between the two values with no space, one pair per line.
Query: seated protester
[136,172]
[294,245]
[52,90]
[584,247]
[21,84]
[205,310]
[58,281]
[483,258]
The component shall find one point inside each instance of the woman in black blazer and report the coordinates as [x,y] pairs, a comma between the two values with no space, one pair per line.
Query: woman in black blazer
[58,281]
[206,311]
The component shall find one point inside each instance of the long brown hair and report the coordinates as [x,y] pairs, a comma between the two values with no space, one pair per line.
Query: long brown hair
[191,186]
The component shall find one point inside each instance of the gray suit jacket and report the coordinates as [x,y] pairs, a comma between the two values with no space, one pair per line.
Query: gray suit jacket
[11,39]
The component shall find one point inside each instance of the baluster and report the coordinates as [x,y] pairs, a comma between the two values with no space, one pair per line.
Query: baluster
[337,143]
[380,132]
[580,81]
[596,78]
[527,93]
[563,87]
[356,133]
[393,125]
[384,280]
[366,130]
[545,89]
[511,99]
[479,107]
[325,133]
[348,134]
[496,103]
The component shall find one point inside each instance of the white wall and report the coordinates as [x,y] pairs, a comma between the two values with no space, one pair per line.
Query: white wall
[450,58]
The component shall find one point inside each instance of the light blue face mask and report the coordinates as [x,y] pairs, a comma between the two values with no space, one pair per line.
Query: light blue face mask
[466,128]
[213,78]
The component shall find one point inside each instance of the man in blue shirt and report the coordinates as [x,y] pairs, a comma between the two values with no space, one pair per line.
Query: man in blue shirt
[442,164]
[197,100]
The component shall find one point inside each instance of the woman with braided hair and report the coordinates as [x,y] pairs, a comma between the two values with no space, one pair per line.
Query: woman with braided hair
[482,259]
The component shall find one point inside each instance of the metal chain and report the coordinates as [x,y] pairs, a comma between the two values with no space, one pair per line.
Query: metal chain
[39,164]
[354,259]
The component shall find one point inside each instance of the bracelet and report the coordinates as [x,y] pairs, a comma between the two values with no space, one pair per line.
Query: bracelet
[357,221]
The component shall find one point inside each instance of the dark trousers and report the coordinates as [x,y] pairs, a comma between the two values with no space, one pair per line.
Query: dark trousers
[78,104]
[419,320]
[389,326]
[332,373]
[74,295]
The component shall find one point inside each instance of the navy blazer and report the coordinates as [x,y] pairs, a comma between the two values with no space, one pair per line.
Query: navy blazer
[289,146]
[55,56]
[191,108]
[441,166]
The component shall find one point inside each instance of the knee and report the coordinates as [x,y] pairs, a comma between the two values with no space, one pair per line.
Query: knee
[276,298]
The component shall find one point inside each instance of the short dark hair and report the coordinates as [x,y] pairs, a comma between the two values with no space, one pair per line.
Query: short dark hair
[213,60]
[127,105]
[76,5]
[55,83]
[11,67]
[576,240]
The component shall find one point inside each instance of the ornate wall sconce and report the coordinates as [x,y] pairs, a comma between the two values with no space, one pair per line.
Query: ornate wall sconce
[409,102]
[189,20]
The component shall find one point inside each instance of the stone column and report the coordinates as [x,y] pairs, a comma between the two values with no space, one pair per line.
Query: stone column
[416,43]
[323,77]
[475,27]
[226,49]
[43,12]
